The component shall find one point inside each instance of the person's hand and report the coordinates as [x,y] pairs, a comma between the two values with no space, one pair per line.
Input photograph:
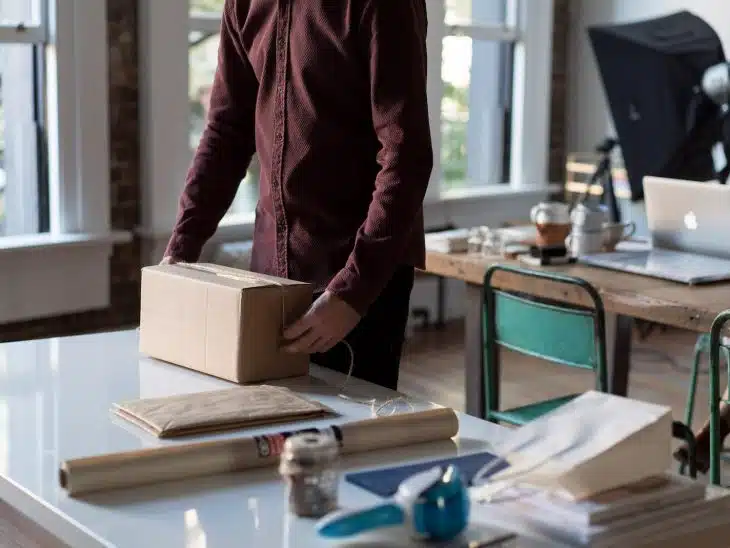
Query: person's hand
[326,323]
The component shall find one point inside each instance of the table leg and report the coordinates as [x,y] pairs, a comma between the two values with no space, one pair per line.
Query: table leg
[473,356]
[618,339]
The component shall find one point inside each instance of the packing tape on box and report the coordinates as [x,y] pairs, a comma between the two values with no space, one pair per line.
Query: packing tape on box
[230,275]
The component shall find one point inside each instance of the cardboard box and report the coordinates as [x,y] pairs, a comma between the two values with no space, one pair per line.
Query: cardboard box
[221,321]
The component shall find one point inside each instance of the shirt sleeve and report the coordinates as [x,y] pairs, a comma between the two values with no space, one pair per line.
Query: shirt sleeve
[394,35]
[225,149]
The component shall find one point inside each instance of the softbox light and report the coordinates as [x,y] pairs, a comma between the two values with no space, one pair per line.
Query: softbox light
[651,70]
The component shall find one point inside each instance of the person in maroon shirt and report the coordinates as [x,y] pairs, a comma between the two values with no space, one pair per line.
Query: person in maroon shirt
[331,95]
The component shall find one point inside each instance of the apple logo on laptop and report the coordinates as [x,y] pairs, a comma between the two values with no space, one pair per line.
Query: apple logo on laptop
[690,221]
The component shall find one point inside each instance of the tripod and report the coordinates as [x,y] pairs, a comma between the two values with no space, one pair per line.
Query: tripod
[603,176]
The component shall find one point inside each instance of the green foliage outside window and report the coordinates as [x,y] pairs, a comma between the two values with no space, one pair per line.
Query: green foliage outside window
[207,5]
[453,136]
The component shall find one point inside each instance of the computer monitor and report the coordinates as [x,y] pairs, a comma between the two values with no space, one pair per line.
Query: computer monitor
[651,71]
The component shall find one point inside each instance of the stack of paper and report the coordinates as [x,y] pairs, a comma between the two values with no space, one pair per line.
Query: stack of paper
[448,241]
[590,445]
[641,497]
[651,512]
[592,473]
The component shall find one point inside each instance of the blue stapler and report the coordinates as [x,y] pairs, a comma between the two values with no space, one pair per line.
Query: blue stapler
[433,505]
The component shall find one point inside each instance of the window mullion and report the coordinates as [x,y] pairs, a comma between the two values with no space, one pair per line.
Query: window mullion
[531,93]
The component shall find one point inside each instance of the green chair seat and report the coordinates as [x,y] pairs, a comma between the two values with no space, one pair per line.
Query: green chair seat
[520,416]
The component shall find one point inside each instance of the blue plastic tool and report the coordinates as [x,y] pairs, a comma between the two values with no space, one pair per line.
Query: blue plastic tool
[433,504]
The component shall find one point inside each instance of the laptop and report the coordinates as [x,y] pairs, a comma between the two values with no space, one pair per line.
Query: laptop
[689,222]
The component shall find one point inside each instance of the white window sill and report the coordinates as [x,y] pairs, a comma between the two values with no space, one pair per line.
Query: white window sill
[35,242]
[473,191]
[45,275]
[243,222]
[470,205]
[450,206]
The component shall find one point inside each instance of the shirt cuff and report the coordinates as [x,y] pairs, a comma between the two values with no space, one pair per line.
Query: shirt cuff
[184,248]
[349,287]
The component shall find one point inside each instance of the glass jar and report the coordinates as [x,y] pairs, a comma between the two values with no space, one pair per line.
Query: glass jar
[310,466]
[492,243]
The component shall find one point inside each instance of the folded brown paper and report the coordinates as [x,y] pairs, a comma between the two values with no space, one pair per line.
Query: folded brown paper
[231,408]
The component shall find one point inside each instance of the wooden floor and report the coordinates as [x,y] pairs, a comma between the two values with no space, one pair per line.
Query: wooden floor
[17,531]
[433,370]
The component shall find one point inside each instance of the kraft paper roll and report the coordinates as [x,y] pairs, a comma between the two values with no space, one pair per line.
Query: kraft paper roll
[148,466]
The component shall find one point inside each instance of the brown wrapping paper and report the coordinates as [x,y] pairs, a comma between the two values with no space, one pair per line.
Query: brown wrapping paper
[147,466]
[218,410]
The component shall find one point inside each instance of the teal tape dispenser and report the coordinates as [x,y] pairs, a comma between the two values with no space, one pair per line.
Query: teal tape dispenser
[433,505]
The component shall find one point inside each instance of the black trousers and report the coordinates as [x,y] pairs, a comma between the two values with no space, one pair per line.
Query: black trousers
[377,341]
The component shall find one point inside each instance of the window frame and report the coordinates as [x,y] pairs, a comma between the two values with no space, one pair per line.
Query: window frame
[66,269]
[165,25]
[23,152]
[528,26]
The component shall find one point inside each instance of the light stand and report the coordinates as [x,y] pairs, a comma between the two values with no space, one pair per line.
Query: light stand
[603,175]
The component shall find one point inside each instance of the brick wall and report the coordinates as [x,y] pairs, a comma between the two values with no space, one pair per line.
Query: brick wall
[558,107]
[125,191]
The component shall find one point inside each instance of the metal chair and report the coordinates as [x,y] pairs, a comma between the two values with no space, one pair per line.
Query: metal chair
[556,332]
[560,333]
[702,346]
[716,345]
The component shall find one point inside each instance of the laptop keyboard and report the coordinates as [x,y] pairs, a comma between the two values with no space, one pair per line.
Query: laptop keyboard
[676,265]
[664,259]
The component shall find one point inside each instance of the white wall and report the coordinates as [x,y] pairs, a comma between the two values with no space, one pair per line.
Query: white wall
[588,117]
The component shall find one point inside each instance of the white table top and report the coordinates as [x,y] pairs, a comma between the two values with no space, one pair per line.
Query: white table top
[55,400]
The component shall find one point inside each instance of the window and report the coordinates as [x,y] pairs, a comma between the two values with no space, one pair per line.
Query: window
[23,184]
[54,167]
[475,106]
[489,70]
[54,158]
[203,56]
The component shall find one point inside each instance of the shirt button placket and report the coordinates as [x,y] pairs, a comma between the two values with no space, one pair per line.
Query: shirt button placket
[279,126]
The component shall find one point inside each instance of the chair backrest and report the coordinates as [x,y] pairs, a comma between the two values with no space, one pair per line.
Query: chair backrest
[716,442]
[557,332]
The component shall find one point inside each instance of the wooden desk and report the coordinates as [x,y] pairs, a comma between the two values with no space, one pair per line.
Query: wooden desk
[627,296]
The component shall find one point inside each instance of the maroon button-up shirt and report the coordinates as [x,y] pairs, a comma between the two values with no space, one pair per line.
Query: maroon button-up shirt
[331,94]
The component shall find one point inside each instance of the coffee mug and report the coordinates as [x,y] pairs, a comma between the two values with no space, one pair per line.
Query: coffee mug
[613,233]
[589,218]
[584,243]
